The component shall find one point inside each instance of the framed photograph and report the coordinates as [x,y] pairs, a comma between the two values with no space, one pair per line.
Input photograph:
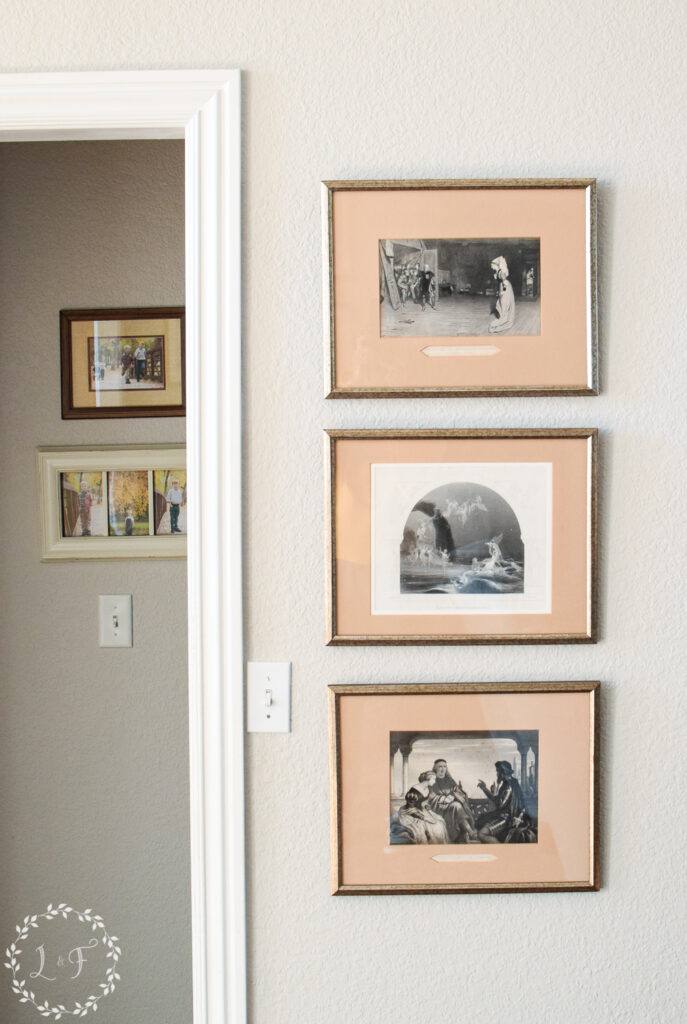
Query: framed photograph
[108,502]
[465,787]
[461,536]
[460,288]
[169,486]
[122,362]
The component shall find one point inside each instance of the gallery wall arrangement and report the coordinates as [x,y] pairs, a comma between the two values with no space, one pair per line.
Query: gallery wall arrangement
[434,537]
[462,536]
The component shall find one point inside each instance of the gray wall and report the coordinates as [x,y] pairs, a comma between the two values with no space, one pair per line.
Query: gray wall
[94,741]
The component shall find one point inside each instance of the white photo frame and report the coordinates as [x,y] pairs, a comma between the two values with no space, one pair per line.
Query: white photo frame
[204,108]
[53,462]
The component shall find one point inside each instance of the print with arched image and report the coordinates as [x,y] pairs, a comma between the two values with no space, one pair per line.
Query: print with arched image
[462,538]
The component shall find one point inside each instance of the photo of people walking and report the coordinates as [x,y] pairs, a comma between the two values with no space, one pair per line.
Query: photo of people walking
[123,362]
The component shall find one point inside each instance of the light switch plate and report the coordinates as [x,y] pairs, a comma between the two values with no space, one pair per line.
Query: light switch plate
[115,620]
[268,700]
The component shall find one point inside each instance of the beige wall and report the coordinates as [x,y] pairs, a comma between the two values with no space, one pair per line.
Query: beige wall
[379,89]
[94,741]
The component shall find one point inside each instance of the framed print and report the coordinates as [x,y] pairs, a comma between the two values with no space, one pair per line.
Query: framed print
[122,362]
[461,536]
[107,502]
[460,288]
[464,787]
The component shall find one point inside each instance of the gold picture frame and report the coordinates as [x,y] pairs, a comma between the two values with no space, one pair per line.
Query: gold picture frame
[517,513]
[513,265]
[396,829]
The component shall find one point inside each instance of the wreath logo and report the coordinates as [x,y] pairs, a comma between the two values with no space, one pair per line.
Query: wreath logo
[75,959]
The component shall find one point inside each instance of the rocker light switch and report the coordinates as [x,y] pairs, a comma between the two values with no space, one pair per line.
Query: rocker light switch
[268,700]
[115,620]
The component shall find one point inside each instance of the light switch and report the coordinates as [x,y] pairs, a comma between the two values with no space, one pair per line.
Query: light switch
[268,703]
[115,620]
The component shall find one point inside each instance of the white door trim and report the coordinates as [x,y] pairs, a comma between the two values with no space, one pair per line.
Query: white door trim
[204,108]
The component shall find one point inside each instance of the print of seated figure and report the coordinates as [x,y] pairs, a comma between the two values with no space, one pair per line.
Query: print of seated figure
[507,820]
[503,310]
[448,798]
[415,822]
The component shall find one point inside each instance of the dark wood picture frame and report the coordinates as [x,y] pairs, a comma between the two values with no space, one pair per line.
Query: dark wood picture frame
[129,408]
[337,759]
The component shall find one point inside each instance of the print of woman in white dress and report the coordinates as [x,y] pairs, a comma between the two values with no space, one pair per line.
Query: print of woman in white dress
[503,313]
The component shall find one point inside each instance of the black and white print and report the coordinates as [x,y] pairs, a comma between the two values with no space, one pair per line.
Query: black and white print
[464,788]
[447,287]
[469,538]
[462,538]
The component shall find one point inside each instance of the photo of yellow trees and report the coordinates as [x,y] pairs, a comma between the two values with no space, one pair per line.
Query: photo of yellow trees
[129,505]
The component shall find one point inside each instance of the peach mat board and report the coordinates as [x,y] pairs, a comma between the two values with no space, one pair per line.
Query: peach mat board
[572,456]
[559,360]
[564,855]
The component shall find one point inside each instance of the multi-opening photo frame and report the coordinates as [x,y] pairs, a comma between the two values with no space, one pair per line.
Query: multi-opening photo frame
[460,287]
[464,787]
[111,502]
[461,536]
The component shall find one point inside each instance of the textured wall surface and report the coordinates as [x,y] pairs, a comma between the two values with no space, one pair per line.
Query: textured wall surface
[94,742]
[451,89]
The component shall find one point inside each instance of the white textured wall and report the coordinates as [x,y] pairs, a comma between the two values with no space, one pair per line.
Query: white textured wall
[448,89]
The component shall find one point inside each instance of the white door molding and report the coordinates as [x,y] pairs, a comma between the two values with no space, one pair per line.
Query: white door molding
[203,107]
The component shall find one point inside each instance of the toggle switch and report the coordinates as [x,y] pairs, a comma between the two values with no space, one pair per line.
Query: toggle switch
[268,700]
[115,620]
